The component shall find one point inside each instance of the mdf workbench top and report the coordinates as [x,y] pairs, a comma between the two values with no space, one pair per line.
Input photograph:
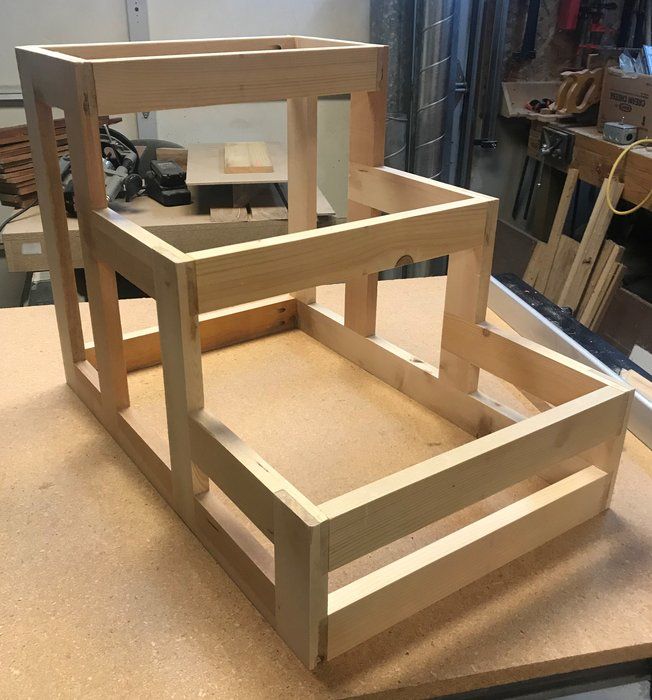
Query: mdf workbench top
[103,590]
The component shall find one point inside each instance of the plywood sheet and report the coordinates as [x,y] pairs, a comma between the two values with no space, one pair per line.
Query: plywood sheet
[206,166]
[104,591]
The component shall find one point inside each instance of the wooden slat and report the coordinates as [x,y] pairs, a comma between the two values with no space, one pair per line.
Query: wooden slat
[381,599]
[392,191]
[534,368]
[134,239]
[139,84]
[532,270]
[174,47]
[301,578]
[467,293]
[247,157]
[604,272]
[598,268]
[474,413]
[366,146]
[613,287]
[176,308]
[379,513]
[239,471]
[55,226]
[218,329]
[302,172]
[548,254]
[243,272]
[589,247]
[564,257]
[111,251]
[237,551]
[90,193]
[142,444]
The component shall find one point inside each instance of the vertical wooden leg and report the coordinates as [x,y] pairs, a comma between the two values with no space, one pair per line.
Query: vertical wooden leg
[301,578]
[178,320]
[88,177]
[360,303]
[608,455]
[467,291]
[302,172]
[55,227]
[366,147]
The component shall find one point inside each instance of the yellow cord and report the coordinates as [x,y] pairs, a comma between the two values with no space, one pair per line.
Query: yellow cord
[625,151]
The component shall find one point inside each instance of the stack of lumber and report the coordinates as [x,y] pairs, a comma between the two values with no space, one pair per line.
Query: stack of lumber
[584,275]
[17,181]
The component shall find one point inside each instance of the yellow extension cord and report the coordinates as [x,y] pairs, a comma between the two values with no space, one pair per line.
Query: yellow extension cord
[625,151]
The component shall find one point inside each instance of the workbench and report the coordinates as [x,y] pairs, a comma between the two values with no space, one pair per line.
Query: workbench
[593,157]
[188,227]
[105,592]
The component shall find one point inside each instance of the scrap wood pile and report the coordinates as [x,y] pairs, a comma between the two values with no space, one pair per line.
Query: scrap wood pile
[583,275]
[17,182]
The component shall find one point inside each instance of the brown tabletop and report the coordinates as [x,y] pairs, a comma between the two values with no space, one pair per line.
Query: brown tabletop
[104,591]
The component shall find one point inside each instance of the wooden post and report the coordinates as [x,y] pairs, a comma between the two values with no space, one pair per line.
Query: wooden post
[55,226]
[302,172]
[467,292]
[178,320]
[607,456]
[88,176]
[366,147]
[301,578]
[589,247]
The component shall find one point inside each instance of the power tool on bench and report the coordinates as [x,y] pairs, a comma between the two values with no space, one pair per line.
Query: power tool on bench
[165,182]
[120,164]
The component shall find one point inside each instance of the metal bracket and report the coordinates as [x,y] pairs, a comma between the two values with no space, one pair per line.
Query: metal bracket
[556,144]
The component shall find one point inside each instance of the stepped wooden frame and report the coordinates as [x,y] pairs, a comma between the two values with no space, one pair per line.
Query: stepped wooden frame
[217,297]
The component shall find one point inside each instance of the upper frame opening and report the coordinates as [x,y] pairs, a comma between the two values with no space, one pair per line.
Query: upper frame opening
[181,47]
[148,76]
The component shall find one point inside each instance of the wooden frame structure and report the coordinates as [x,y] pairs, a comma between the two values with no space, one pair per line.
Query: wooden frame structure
[575,442]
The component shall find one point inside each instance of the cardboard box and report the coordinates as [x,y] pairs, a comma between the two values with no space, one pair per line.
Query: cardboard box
[627,97]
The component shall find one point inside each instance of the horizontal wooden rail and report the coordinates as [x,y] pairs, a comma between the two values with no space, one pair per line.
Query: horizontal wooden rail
[142,444]
[379,600]
[174,47]
[143,83]
[474,413]
[129,248]
[393,191]
[218,329]
[133,239]
[237,551]
[246,271]
[379,513]
[241,473]
[534,368]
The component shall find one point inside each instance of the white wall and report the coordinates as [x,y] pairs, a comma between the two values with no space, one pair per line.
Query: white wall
[24,22]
